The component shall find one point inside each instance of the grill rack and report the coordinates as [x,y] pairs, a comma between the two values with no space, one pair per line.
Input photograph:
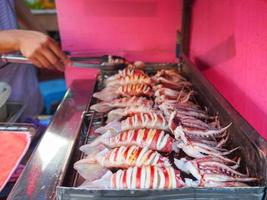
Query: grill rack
[68,189]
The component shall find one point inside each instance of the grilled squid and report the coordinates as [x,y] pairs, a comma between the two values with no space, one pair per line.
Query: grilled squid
[148,177]
[121,103]
[170,79]
[113,92]
[120,113]
[137,121]
[127,72]
[197,149]
[210,171]
[153,139]
[135,78]
[122,157]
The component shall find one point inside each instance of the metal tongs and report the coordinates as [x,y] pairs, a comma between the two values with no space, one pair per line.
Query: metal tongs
[105,62]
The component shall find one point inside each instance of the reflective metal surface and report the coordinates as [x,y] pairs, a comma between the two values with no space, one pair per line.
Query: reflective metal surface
[14,59]
[47,166]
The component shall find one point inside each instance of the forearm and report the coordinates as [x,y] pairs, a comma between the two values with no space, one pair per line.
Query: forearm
[25,16]
[9,41]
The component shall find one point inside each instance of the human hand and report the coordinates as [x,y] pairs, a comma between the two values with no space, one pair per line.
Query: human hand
[42,50]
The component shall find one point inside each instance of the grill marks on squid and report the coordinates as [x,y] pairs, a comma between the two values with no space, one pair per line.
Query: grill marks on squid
[145,120]
[135,90]
[131,156]
[149,177]
[154,139]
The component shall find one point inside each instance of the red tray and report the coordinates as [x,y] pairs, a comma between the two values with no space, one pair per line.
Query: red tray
[13,146]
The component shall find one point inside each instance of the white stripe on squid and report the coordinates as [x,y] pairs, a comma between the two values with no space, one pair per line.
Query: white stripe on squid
[112,156]
[156,159]
[129,177]
[143,178]
[151,158]
[155,179]
[154,120]
[147,158]
[134,172]
[161,178]
[140,159]
[172,179]
[123,138]
[148,177]
[121,179]
[140,136]
[164,141]
[120,158]
[129,153]
[118,178]
[130,135]
[160,139]
[150,136]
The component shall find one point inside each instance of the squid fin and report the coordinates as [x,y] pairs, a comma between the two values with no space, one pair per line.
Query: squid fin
[99,140]
[103,182]
[89,169]
[107,94]
[101,107]
[112,126]
[115,115]
[90,149]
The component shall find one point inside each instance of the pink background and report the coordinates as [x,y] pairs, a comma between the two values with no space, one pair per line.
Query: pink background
[229,45]
[135,29]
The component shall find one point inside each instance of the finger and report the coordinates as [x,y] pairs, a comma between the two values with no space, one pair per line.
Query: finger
[57,51]
[53,59]
[44,62]
[36,62]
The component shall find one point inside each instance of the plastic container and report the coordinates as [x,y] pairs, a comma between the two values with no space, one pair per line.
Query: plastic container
[52,91]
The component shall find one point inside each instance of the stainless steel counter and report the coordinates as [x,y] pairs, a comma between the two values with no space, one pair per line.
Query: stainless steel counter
[47,166]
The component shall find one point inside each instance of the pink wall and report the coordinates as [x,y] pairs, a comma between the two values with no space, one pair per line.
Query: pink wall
[135,29]
[229,44]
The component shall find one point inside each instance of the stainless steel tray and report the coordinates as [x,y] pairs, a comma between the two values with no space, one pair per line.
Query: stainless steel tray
[17,127]
[49,174]
[72,180]
[255,193]
[14,111]
[253,151]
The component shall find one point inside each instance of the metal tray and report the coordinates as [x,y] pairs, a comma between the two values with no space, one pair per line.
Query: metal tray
[255,193]
[17,127]
[14,111]
[69,189]
[254,150]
